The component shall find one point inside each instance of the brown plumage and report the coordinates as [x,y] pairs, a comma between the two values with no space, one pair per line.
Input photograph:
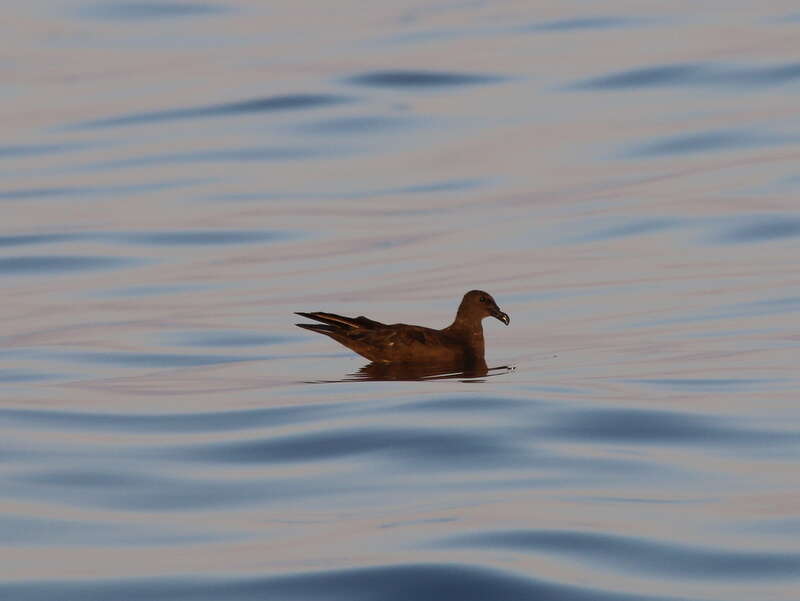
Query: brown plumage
[460,342]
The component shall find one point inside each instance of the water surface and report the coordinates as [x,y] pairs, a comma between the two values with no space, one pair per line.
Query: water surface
[179,177]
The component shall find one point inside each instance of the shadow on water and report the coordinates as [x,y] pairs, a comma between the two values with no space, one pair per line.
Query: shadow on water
[155,360]
[673,428]
[579,24]
[199,237]
[763,229]
[225,338]
[152,238]
[232,155]
[8,376]
[47,265]
[409,372]
[642,555]
[630,227]
[97,191]
[28,150]
[21,530]
[702,75]
[710,141]
[421,582]
[406,447]
[173,423]
[105,487]
[357,125]
[289,102]
[141,11]
[420,79]
[27,239]
[441,186]
[28,193]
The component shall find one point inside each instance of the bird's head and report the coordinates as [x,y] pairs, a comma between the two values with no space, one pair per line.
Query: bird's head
[481,304]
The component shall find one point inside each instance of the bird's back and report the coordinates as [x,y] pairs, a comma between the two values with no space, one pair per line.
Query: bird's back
[391,343]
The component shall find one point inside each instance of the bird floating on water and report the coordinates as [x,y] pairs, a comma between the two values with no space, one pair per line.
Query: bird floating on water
[459,343]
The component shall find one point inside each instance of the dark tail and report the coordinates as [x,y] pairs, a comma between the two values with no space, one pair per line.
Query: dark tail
[336,326]
[318,327]
[336,323]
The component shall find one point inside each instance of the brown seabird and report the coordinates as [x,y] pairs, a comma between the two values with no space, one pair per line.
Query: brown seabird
[459,343]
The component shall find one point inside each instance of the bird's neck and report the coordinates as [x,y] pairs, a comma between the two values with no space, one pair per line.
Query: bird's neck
[469,331]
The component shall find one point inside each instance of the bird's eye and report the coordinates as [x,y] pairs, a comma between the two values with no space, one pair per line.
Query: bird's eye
[483,299]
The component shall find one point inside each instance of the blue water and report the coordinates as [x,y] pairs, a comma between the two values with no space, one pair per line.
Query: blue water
[178,178]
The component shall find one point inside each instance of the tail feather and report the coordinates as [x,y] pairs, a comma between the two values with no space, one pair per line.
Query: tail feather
[341,322]
[318,327]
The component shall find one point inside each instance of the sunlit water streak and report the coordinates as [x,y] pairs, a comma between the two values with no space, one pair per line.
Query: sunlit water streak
[180,177]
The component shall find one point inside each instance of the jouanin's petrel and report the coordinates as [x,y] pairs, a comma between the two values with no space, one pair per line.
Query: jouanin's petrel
[460,342]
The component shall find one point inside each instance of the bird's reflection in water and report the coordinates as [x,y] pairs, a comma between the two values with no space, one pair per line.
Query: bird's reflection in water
[472,372]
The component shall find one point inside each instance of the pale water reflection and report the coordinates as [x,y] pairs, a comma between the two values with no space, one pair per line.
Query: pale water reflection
[176,178]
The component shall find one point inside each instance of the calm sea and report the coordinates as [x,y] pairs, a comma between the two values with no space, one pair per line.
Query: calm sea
[177,178]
